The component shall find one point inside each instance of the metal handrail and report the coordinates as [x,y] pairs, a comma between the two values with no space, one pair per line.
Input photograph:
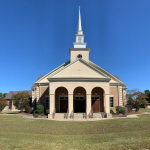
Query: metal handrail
[67,113]
[73,113]
[91,112]
[54,113]
[86,113]
[105,113]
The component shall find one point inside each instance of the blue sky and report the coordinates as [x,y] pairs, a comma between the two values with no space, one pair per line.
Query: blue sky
[35,37]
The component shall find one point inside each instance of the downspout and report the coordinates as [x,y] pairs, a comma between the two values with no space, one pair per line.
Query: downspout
[39,93]
[118,94]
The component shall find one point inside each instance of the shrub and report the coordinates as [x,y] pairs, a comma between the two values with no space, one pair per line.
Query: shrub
[120,109]
[42,114]
[111,111]
[27,109]
[40,109]
[3,104]
[47,111]
[35,114]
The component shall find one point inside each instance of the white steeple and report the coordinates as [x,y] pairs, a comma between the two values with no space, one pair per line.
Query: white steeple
[79,37]
[79,49]
[79,24]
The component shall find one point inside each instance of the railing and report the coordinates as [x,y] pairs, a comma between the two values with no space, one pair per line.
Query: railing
[105,113]
[73,113]
[91,112]
[86,114]
[54,113]
[67,113]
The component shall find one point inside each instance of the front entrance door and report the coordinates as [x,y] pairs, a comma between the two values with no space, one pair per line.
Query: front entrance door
[79,105]
[63,104]
[95,104]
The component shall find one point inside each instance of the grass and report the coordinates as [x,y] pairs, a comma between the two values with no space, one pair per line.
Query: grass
[144,110]
[116,134]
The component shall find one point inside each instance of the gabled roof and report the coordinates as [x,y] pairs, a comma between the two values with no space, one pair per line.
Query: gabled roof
[34,85]
[123,85]
[72,63]
[9,95]
[61,66]
[68,63]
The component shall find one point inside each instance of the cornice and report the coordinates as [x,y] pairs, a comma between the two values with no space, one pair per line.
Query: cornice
[79,79]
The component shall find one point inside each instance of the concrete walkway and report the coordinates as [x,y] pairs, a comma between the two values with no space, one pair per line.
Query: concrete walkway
[78,119]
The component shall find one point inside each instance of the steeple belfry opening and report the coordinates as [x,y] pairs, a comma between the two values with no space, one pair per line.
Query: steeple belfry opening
[79,47]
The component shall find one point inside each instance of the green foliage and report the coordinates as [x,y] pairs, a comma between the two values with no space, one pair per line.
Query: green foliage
[136,98]
[35,114]
[2,95]
[40,109]
[147,92]
[120,109]
[27,109]
[42,114]
[111,111]
[47,111]
[21,100]
[3,104]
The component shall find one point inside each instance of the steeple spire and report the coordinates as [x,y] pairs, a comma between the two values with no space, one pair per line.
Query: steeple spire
[79,31]
[79,21]
[79,36]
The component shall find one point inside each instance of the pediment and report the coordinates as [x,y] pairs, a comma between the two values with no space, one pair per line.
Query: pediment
[79,69]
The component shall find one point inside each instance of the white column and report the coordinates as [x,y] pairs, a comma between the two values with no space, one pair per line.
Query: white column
[51,105]
[88,104]
[107,105]
[70,104]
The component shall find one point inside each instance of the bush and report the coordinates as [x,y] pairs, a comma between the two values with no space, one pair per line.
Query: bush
[120,109]
[3,104]
[27,109]
[35,114]
[111,111]
[40,109]
[47,111]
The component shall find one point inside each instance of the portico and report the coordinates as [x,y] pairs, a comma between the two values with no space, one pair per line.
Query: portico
[81,97]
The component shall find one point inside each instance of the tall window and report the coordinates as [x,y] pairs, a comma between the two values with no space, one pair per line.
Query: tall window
[111,101]
[47,102]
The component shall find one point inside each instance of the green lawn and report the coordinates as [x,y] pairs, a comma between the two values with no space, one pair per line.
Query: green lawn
[144,110]
[116,134]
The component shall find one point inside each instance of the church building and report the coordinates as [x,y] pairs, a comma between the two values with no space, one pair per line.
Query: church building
[79,86]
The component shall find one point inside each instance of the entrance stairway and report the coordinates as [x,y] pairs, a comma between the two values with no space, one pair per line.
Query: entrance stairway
[98,115]
[78,115]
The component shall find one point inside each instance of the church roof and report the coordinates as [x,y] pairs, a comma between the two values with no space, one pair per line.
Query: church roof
[34,85]
[11,93]
[68,63]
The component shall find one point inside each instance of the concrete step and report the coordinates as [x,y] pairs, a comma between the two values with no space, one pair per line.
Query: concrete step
[79,115]
[60,115]
[97,115]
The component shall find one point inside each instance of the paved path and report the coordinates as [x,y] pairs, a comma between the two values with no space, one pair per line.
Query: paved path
[78,119]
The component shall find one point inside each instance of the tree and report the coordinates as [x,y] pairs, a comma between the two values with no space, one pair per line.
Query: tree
[21,100]
[3,104]
[2,95]
[135,98]
[148,94]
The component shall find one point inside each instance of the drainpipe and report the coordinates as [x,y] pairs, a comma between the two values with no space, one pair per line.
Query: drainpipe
[39,93]
[118,94]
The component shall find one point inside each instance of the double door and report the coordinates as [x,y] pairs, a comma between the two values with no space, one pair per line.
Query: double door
[95,104]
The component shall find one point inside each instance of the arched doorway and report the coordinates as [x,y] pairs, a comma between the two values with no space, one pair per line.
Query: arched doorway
[79,97]
[61,100]
[97,100]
